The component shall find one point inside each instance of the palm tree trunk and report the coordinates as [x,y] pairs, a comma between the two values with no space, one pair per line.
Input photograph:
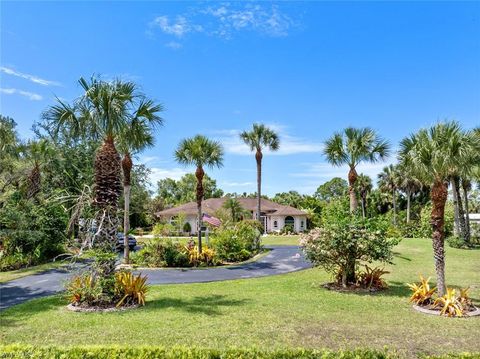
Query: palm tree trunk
[408,206]
[199,173]
[439,195]
[394,207]
[127,170]
[34,181]
[363,207]
[107,191]
[456,223]
[465,187]
[457,201]
[352,178]
[258,157]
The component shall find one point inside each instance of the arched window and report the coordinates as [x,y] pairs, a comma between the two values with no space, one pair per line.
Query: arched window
[289,221]
[275,224]
[301,224]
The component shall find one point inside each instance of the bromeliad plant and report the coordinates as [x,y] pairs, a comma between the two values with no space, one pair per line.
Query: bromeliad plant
[422,293]
[450,304]
[130,288]
[372,278]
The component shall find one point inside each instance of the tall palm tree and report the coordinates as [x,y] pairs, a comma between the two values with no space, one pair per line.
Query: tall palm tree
[363,186]
[409,184]
[103,111]
[136,136]
[432,154]
[200,152]
[388,180]
[259,138]
[352,147]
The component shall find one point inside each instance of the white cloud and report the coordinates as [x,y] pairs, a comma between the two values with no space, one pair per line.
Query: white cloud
[29,77]
[325,171]
[178,27]
[162,173]
[237,184]
[289,145]
[224,20]
[30,95]
[173,45]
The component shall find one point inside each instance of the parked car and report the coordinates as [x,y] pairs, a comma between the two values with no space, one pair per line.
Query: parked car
[132,242]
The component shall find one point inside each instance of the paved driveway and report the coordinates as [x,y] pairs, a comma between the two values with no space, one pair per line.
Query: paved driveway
[279,260]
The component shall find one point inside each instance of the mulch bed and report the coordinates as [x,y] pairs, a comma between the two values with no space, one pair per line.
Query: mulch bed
[110,308]
[475,312]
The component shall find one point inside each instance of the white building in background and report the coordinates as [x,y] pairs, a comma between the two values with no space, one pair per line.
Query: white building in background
[275,216]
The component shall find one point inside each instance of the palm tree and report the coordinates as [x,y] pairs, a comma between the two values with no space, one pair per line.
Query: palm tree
[409,185]
[199,151]
[236,210]
[432,154]
[257,139]
[352,147]
[388,180]
[135,137]
[364,186]
[39,152]
[103,111]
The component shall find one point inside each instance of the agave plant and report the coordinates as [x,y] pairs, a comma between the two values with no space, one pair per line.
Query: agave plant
[422,293]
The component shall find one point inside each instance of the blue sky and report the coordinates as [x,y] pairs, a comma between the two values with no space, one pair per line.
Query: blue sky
[306,69]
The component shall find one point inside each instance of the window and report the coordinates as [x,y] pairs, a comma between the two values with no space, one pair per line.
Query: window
[275,224]
[289,221]
[301,224]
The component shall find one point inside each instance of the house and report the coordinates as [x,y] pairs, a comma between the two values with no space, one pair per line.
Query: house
[275,216]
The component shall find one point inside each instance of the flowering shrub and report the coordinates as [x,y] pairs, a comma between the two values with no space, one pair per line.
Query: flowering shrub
[340,246]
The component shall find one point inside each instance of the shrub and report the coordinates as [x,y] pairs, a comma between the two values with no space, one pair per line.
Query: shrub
[287,229]
[30,232]
[168,253]
[239,242]
[456,242]
[425,228]
[340,246]
[163,229]
[161,252]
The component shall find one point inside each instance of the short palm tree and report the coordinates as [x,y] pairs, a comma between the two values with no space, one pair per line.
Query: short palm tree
[259,138]
[388,180]
[432,154]
[39,153]
[200,152]
[351,147]
[103,111]
[363,186]
[236,210]
[136,136]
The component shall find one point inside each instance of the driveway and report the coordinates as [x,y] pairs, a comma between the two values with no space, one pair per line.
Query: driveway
[279,260]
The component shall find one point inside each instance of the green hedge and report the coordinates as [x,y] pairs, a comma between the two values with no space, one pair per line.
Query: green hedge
[17,351]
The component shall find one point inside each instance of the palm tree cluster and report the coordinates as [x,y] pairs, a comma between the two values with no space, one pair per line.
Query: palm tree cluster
[121,116]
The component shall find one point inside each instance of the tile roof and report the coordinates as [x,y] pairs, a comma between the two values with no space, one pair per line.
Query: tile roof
[250,204]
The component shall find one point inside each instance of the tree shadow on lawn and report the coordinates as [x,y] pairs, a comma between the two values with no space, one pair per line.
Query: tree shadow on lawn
[209,305]
[15,314]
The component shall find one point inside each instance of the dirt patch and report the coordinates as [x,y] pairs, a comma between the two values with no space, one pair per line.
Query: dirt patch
[351,288]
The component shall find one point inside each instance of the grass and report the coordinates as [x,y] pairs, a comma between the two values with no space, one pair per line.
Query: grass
[280,240]
[284,311]
[23,272]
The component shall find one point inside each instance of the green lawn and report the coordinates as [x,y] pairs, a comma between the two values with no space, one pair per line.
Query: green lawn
[280,240]
[23,272]
[290,310]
